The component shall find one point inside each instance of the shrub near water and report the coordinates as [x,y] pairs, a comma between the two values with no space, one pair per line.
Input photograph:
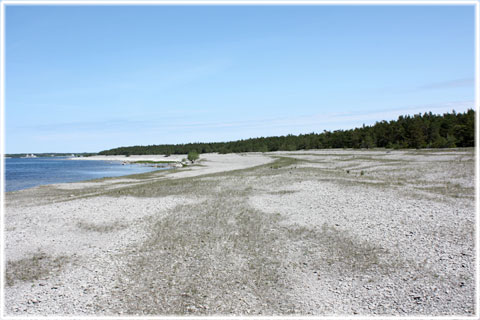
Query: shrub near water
[192,156]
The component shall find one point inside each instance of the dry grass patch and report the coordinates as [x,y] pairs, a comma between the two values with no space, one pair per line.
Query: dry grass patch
[331,248]
[101,227]
[221,256]
[216,257]
[36,267]
[282,192]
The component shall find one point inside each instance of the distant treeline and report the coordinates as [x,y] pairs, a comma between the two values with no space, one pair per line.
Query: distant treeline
[449,130]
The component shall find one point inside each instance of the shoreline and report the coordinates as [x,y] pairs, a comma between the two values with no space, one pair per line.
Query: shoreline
[133,158]
[90,179]
[208,163]
[157,161]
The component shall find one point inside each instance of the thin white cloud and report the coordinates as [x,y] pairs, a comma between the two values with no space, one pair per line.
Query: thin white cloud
[99,135]
[457,83]
[332,120]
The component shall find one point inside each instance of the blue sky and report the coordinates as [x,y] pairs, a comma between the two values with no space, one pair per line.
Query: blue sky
[89,78]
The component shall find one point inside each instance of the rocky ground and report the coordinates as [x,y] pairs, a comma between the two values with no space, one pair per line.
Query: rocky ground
[329,232]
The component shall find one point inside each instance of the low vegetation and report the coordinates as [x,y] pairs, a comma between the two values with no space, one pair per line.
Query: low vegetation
[33,268]
[222,256]
[101,228]
[193,156]
[153,162]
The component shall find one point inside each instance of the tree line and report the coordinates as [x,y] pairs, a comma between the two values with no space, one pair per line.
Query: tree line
[429,130]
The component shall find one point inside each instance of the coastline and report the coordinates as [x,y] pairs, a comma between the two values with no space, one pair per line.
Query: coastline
[60,170]
[133,158]
[315,232]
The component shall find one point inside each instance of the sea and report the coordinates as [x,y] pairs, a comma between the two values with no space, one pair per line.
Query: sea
[23,173]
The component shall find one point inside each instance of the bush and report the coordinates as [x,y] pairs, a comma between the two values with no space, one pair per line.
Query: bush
[192,156]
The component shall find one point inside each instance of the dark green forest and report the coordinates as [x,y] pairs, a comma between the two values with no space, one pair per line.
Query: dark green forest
[449,130]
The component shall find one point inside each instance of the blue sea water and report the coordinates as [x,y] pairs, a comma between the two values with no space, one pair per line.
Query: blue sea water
[23,173]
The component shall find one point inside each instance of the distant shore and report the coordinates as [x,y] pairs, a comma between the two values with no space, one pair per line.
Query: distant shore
[207,163]
[133,158]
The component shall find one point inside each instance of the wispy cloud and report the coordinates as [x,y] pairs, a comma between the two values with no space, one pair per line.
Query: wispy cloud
[101,135]
[391,114]
[298,123]
[339,120]
[457,83]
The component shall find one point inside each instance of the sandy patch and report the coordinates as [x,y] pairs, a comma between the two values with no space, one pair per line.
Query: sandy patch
[346,232]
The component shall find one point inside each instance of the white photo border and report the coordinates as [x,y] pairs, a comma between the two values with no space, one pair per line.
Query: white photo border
[4,3]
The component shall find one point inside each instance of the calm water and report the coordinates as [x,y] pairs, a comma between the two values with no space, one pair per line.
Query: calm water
[22,173]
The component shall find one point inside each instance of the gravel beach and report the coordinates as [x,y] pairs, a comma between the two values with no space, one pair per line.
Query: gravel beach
[315,232]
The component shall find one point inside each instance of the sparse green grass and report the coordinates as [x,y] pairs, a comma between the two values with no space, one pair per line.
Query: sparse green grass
[282,192]
[137,176]
[36,267]
[450,190]
[333,248]
[154,162]
[378,159]
[283,162]
[101,228]
[165,187]
[442,150]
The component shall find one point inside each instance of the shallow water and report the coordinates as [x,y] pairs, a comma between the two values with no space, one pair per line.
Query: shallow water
[23,173]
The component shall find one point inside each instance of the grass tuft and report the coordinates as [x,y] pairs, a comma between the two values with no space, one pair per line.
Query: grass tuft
[36,267]
[101,228]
